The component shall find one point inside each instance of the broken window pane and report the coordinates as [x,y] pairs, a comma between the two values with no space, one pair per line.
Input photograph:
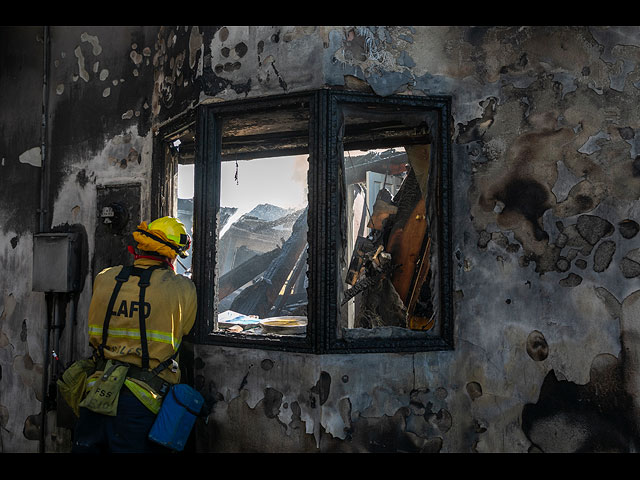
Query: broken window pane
[262,225]
[389,229]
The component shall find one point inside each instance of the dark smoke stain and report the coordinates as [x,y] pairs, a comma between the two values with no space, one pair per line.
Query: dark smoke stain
[322,387]
[517,66]
[592,228]
[630,268]
[475,35]
[626,133]
[474,389]
[223,34]
[199,382]
[386,434]
[271,402]
[483,240]
[228,67]
[628,228]
[82,178]
[635,167]
[592,418]
[244,379]
[537,346]
[345,409]
[23,331]
[241,49]
[528,198]
[27,362]
[31,429]
[281,81]
[584,202]
[442,419]
[603,255]
[199,363]
[572,280]
[212,84]
[562,265]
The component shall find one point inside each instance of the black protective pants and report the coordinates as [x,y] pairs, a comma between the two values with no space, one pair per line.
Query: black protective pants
[125,433]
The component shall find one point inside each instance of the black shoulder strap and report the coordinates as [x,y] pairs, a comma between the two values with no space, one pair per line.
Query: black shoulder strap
[122,277]
[144,282]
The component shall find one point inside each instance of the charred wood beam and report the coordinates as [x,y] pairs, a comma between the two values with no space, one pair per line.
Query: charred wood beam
[406,238]
[367,143]
[259,146]
[417,319]
[245,272]
[270,151]
[258,298]
[291,281]
[356,168]
[369,135]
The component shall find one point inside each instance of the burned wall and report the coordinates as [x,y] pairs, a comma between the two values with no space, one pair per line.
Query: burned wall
[545,228]
[545,242]
[76,117]
[21,310]
[80,108]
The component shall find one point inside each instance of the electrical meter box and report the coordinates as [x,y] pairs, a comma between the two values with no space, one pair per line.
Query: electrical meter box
[56,262]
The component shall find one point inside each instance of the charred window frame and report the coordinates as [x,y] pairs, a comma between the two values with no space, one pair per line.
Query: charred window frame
[334,129]
[234,132]
[393,251]
[174,146]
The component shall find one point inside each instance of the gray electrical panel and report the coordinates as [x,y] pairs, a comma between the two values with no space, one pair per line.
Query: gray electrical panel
[56,262]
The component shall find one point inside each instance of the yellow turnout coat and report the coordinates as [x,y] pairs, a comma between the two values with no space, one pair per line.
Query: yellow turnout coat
[170,311]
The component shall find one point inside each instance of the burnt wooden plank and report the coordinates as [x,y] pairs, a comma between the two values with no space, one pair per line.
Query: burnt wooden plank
[245,272]
[258,298]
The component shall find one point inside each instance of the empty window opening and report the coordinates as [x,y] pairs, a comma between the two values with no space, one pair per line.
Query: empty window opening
[177,190]
[260,184]
[262,246]
[390,226]
[185,212]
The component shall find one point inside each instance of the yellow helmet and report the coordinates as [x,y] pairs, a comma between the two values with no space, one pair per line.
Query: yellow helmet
[167,236]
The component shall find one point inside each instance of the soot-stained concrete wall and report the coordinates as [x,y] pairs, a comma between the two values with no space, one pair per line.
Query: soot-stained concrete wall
[546,250]
[546,205]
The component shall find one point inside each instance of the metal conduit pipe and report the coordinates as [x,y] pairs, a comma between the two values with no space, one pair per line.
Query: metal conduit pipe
[43,224]
[45,375]
[71,335]
[45,170]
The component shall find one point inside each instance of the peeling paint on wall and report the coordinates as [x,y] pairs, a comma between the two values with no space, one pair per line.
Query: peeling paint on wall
[32,157]
[545,231]
[600,415]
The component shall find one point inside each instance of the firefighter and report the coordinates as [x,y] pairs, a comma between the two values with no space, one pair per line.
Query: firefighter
[137,318]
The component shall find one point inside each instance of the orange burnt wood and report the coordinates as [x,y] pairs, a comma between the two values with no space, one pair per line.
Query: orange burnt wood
[405,245]
[416,322]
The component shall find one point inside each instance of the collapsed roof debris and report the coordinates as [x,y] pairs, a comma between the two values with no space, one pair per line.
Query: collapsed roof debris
[269,258]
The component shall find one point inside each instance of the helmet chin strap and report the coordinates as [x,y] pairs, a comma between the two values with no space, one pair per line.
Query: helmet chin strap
[150,257]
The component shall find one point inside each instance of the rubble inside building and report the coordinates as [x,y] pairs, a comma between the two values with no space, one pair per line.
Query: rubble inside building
[459,274]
